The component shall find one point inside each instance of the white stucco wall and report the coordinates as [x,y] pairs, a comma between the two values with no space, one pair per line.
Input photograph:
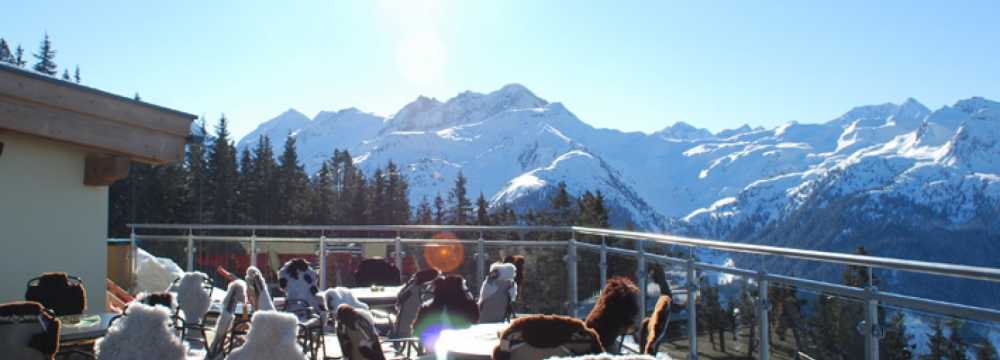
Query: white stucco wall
[49,220]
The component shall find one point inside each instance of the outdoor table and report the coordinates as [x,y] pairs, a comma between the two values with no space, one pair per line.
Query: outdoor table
[89,327]
[475,342]
[382,296]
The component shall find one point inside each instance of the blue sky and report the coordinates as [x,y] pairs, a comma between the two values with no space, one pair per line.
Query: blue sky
[636,66]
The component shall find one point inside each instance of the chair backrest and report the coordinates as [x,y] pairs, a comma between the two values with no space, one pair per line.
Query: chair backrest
[376,271]
[544,336]
[497,293]
[144,332]
[56,291]
[300,282]
[193,299]
[28,331]
[615,312]
[272,336]
[416,291]
[653,331]
[259,295]
[357,336]
[236,294]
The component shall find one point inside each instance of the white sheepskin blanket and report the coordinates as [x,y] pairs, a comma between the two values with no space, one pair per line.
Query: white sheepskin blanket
[340,295]
[258,289]
[236,295]
[300,282]
[272,336]
[606,356]
[499,272]
[143,332]
[192,298]
[155,274]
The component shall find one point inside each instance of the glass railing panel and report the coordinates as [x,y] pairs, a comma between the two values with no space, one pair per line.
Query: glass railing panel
[829,327]
[167,257]
[915,334]
[725,316]
[218,257]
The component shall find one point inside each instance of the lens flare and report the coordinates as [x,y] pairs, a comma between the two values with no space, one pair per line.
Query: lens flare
[445,253]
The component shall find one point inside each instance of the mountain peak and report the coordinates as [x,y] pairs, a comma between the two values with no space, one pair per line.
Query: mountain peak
[683,131]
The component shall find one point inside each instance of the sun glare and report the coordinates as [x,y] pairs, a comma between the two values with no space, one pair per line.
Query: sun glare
[420,51]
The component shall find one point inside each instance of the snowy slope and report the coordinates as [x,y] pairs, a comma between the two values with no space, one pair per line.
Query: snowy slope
[513,146]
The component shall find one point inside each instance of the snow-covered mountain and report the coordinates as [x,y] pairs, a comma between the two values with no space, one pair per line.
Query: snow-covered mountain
[899,166]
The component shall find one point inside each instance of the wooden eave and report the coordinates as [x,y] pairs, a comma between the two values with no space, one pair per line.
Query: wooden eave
[107,124]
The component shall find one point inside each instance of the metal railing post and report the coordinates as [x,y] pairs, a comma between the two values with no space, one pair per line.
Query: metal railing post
[133,279]
[398,244]
[571,271]
[253,247]
[322,260]
[763,309]
[640,275]
[692,280]
[604,262]
[480,259]
[872,329]
[190,250]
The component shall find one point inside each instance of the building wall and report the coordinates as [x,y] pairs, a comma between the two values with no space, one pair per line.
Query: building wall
[49,220]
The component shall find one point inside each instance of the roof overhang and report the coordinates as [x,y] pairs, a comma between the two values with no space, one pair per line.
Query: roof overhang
[108,125]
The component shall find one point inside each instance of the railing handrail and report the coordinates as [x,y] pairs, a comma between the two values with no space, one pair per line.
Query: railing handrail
[412,228]
[937,268]
[945,269]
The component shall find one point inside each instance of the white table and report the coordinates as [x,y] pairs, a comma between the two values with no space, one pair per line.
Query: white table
[386,295]
[475,342]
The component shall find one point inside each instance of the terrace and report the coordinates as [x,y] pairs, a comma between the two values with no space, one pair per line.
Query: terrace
[568,265]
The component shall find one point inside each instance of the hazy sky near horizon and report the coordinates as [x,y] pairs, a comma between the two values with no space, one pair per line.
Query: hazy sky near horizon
[634,66]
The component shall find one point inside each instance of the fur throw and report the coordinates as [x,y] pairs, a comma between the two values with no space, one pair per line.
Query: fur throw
[56,293]
[541,336]
[615,312]
[451,308]
[654,328]
[258,293]
[499,273]
[272,336]
[192,298]
[337,296]
[27,331]
[300,282]
[144,330]
[376,271]
[518,261]
[236,294]
[164,299]
[606,356]
[357,335]
[410,297]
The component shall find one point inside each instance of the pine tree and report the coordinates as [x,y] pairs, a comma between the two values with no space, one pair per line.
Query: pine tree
[459,202]
[482,211]
[46,57]
[858,276]
[592,210]
[957,349]
[19,57]
[378,208]
[222,176]
[987,351]
[136,97]
[263,183]
[937,343]
[196,177]
[76,74]
[5,54]
[397,195]
[896,344]
[65,75]
[293,187]
[439,210]
[322,212]
[424,216]
[244,188]
[561,205]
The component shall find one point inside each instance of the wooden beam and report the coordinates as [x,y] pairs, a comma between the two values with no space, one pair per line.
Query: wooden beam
[66,96]
[90,131]
[104,170]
